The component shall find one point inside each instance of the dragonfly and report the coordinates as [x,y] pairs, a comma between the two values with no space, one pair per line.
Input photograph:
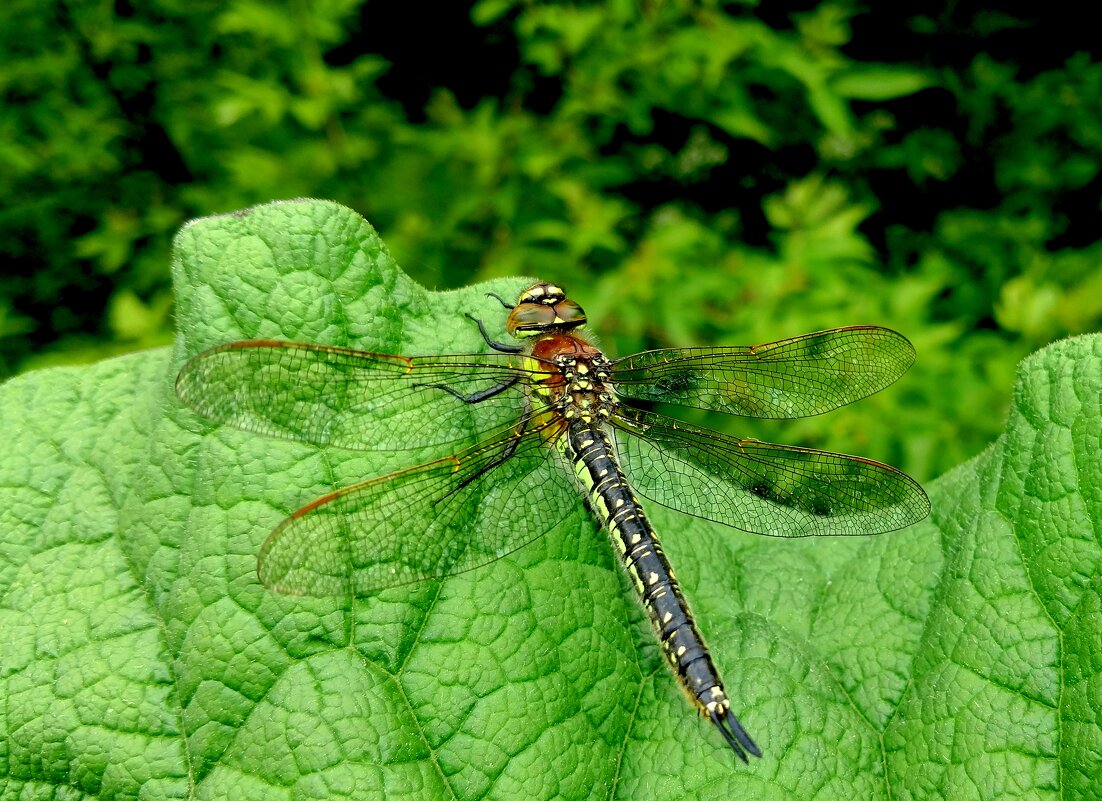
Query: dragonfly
[558,423]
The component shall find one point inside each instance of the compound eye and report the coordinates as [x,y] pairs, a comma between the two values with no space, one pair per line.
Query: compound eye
[569,312]
[529,318]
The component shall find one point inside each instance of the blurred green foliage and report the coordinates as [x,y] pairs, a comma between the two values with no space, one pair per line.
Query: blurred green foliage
[693,172]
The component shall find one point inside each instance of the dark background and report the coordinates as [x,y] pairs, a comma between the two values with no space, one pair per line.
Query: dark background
[693,173]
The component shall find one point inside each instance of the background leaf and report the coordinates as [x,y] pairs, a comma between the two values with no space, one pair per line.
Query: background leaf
[139,657]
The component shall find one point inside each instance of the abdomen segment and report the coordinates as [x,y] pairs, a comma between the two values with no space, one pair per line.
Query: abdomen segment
[594,462]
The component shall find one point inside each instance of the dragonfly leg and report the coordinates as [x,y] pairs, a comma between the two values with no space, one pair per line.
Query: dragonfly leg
[475,397]
[506,454]
[499,299]
[501,346]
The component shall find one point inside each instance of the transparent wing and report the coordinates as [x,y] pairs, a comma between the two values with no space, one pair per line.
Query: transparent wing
[762,488]
[797,377]
[349,398]
[433,520]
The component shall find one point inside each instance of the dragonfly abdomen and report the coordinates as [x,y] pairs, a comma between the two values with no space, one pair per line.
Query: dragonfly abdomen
[594,461]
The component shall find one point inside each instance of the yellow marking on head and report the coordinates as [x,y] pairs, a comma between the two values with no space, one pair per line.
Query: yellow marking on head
[541,293]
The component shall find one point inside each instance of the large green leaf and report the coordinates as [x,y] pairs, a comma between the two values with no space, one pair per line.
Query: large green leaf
[140,658]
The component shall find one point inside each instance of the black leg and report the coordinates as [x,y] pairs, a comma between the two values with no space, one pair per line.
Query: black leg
[506,454]
[499,299]
[475,397]
[500,346]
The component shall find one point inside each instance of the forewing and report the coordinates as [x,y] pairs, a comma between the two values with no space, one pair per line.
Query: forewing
[430,521]
[349,398]
[762,488]
[797,377]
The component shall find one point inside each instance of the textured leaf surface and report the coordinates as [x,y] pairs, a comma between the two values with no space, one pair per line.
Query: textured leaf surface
[140,658]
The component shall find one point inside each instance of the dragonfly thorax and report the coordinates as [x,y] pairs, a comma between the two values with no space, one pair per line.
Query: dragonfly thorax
[577,382]
[587,395]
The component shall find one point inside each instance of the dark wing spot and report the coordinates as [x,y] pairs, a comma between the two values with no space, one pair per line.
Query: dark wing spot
[674,384]
[763,491]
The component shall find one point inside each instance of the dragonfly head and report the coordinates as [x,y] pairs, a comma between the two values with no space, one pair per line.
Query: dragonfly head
[543,309]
